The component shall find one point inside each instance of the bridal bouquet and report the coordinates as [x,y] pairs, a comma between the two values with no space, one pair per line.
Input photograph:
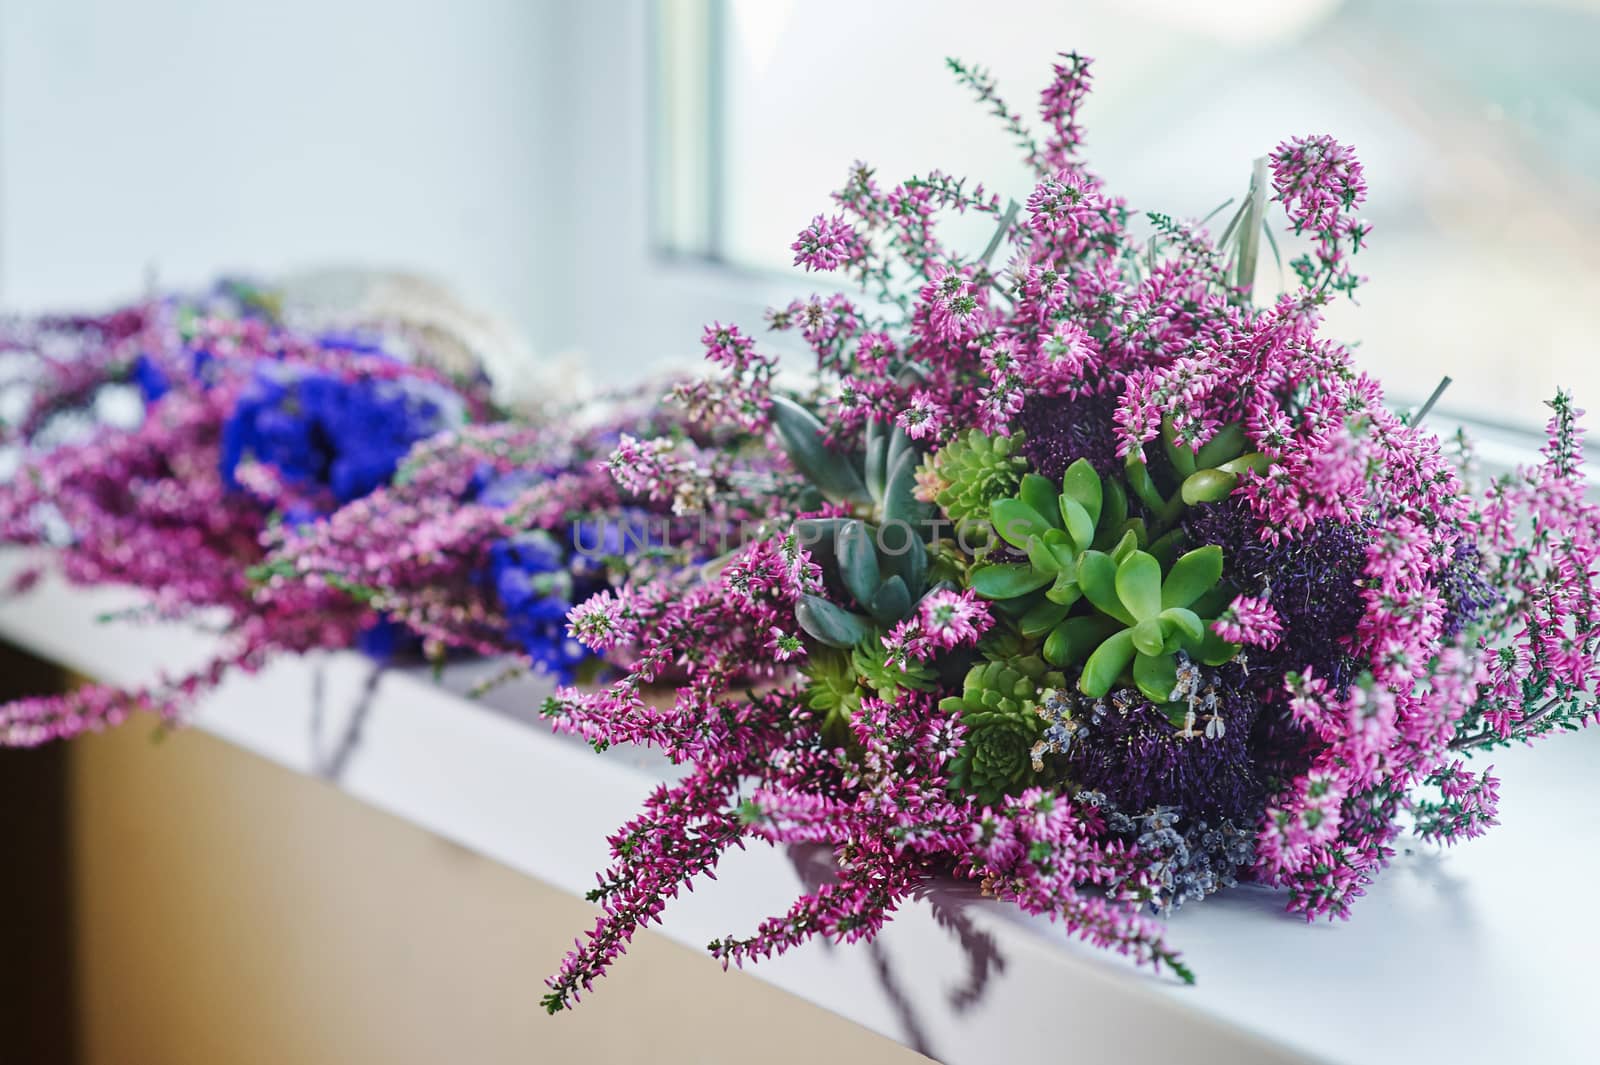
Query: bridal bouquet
[1090,579]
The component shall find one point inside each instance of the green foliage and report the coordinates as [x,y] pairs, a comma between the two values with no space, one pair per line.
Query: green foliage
[1083,550]
[1207,474]
[836,680]
[1054,527]
[976,469]
[998,705]
[880,480]
[876,670]
[832,691]
[883,569]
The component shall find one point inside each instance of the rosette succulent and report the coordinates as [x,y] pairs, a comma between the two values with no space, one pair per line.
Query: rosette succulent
[974,470]
[999,704]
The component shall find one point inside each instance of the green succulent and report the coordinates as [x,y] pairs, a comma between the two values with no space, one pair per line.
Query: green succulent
[1207,474]
[884,569]
[1145,619]
[1054,527]
[880,481]
[1081,546]
[832,691]
[976,469]
[836,681]
[886,677]
[998,705]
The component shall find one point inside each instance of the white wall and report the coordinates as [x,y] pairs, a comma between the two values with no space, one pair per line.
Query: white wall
[195,136]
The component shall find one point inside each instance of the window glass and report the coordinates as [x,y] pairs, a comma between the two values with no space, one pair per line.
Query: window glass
[1478,122]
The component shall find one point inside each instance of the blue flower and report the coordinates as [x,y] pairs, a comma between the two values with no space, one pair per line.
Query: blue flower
[151,378]
[324,430]
[536,591]
[386,639]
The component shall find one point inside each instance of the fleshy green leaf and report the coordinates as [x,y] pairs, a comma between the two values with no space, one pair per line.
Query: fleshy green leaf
[1112,515]
[1254,461]
[1139,585]
[1156,676]
[1186,624]
[1079,525]
[1192,576]
[1180,455]
[1006,580]
[901,554]
[1065,590]
[831,624]
[1227,444]
[891,602]
[1082,484]
[1132,539]
[900,503]
[1016,522]
[1139,481]
[1208,486]
[802,435]
[1100,673]
[1072,641]
[858,561]
[1214,651]
[1040,494]
[1042,618]
[1097,578]
[1043,559]
[1166,547]
[876,465]
[1149,637]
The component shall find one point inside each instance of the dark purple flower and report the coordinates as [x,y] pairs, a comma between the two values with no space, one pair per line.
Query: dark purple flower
[1061,429]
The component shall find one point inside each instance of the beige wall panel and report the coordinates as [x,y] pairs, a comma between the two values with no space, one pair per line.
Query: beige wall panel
[230,911]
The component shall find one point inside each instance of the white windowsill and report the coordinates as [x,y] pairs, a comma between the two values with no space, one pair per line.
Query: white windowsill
[1471,955]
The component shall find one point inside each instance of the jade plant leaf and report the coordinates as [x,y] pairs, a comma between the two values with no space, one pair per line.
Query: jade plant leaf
[1083,486]
[1097,579]
[1156,676]
[1192,576]
[1043,617]
[1079,525]
[1149,637]
[1106,664]
[1040,494]
[1017,522]
[1007,580]
[802,435]
[1138,584]
[1075,639]
[1113,515]
[1228,443]
[829,623]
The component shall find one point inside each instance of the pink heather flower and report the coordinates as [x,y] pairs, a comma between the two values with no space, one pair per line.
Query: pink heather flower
[1060,205]
[906,643]
[1317,179]
[951,619]
[1250,620]
[784,645]
[923,419]
[826,244]
[598,622]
